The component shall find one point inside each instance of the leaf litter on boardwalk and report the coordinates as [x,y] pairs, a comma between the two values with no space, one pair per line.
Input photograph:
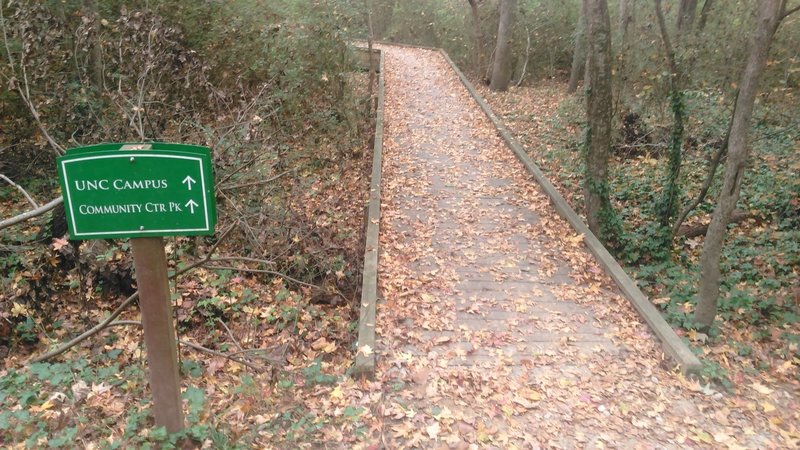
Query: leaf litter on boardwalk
[559,397]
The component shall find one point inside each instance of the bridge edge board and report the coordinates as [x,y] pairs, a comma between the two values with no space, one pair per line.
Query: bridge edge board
[364,365]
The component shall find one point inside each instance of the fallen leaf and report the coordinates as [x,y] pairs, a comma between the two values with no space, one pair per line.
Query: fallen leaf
[433,430]
[761,389]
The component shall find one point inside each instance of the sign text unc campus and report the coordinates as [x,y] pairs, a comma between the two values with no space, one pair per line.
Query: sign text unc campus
[137,190]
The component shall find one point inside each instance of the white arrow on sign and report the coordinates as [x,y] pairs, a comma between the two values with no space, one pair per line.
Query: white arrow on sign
[188,181]
[191,205]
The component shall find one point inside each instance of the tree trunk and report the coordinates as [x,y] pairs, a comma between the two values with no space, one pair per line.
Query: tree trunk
[686,14]
[382,19]
[476,34]
[370,39]
[501,71]
[667,204]
[96,49]
[626,16]
[769,17]
[704,14]
[599,212]
[579,55]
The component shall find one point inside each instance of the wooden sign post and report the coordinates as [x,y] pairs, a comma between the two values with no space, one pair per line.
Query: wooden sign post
[150,263]
[144,192]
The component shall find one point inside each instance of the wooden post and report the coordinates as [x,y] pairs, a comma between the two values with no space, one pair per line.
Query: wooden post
[150,263]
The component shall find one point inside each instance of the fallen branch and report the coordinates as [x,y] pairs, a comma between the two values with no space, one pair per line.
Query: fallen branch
[222,355]
[230,335]
[699,230]
[277,274]
[254,353]
[30,214]
[198,347]
[89,333]
[11,248]
[110,319]
[244,258]
[206,258]
[264,271]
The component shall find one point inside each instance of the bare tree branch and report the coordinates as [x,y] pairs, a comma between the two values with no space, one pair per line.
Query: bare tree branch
[668,48]
[527,56]
[791,11]
[241,361]
[89,333]
[31,214]
[704,14]
[712,170]
[256,183]
[21,189]
[25,95]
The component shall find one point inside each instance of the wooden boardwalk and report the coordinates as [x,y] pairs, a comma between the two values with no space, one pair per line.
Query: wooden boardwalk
[496,328]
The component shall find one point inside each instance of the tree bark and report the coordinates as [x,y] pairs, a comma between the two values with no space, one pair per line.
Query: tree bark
[96,47]
[501,71]
[382,19]
[579,54]
[599,212]
[704,14]
[686,14]
[370,39]
[769,17]
[476,34]
[626,17]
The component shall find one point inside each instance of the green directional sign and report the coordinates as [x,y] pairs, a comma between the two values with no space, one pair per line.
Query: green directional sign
[137,190]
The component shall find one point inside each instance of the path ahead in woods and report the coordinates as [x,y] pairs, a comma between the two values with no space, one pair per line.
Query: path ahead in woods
[496,326]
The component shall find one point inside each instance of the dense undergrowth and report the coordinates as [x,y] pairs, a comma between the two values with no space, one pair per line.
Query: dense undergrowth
[278,98]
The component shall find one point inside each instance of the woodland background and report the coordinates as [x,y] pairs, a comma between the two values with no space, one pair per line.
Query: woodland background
[272,87]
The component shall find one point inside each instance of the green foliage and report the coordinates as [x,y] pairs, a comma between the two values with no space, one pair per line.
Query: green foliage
[715,373]
[31,389]
[761,255]
[297,48]
[195,399]
[667,205]
[314,375]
